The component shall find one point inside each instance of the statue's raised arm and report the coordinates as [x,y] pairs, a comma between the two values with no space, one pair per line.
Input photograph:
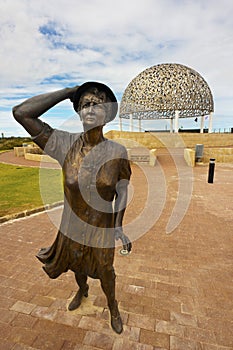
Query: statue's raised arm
[28,112]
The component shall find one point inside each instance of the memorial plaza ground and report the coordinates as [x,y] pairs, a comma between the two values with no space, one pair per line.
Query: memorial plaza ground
[175,290]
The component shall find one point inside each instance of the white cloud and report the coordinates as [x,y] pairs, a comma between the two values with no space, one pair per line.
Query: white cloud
[111,41]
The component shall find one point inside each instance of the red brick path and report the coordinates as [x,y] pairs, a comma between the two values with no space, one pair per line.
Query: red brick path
[174,291]
[9,158]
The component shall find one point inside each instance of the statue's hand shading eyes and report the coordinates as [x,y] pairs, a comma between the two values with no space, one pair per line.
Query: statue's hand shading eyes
[72,92]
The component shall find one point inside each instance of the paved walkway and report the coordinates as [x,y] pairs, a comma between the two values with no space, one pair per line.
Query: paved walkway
[9,158]
[174,290]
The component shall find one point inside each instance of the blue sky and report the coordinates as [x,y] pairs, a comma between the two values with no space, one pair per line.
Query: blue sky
[48,45]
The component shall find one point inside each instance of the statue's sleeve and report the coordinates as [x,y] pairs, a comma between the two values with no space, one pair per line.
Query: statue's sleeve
[56,143]
[125,169]
[42,138]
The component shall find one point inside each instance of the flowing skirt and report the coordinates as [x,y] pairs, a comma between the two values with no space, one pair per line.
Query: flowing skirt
[65,254]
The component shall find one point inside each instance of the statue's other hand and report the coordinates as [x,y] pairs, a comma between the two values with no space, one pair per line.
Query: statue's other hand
[119,234]
[72,92]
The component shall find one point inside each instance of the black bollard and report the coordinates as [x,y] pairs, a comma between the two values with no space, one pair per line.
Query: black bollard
[211,170]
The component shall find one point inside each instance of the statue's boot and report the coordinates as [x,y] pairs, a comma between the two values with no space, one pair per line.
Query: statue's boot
[116,321]
[76,301]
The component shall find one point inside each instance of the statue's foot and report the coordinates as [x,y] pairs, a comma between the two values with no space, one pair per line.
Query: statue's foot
[116,321]
[76,302]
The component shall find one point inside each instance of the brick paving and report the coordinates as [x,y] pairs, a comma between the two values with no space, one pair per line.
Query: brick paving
[8,157]
[174,290]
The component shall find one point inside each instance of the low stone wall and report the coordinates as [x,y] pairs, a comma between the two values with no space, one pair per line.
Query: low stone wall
[33,152]
[43,158]
[208,140]
[166,139]
[189,156]
[153,158]
[218,146]
[221,155]
[19,151]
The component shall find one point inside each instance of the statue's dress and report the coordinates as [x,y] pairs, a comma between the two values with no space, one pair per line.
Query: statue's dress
[85,241]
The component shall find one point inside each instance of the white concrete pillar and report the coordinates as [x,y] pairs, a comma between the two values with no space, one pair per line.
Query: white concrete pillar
[211,122]
[171,124]
[140,125]
[202,124]
[120,123]
[176,121]
[131,121]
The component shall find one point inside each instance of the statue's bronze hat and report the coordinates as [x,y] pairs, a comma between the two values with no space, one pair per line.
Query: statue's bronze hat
[101,87]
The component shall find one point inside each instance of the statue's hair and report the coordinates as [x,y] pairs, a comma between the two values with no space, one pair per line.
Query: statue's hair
[103,93]
[103,98]
[100,94]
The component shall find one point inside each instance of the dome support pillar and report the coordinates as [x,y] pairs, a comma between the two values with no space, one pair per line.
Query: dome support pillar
[120,123]
[176,121]
[131,122]
[139,125]
[210,122]
[171,125]
[202,124]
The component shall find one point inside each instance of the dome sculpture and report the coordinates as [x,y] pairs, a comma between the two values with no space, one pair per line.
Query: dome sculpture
[161,90]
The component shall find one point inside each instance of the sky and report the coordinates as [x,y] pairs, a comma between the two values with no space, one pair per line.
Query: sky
[50,45]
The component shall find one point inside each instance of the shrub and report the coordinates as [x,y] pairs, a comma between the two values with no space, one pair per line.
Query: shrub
[7,143]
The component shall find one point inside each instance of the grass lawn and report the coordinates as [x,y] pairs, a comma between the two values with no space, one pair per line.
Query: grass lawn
[23,188]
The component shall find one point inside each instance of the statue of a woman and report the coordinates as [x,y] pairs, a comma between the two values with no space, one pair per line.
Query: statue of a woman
[96,173]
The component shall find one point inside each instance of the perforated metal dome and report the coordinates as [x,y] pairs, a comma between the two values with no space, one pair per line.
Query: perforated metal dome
[159,91]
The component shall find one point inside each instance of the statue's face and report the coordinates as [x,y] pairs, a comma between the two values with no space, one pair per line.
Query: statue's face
[92,109]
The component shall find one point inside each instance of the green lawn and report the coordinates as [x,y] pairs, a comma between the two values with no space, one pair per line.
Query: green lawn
[3,151]
[23,188]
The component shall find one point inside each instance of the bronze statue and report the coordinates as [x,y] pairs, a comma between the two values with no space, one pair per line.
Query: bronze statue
[96,173]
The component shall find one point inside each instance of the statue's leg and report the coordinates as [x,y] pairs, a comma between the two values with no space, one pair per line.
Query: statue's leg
[107,278]
[81,280]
